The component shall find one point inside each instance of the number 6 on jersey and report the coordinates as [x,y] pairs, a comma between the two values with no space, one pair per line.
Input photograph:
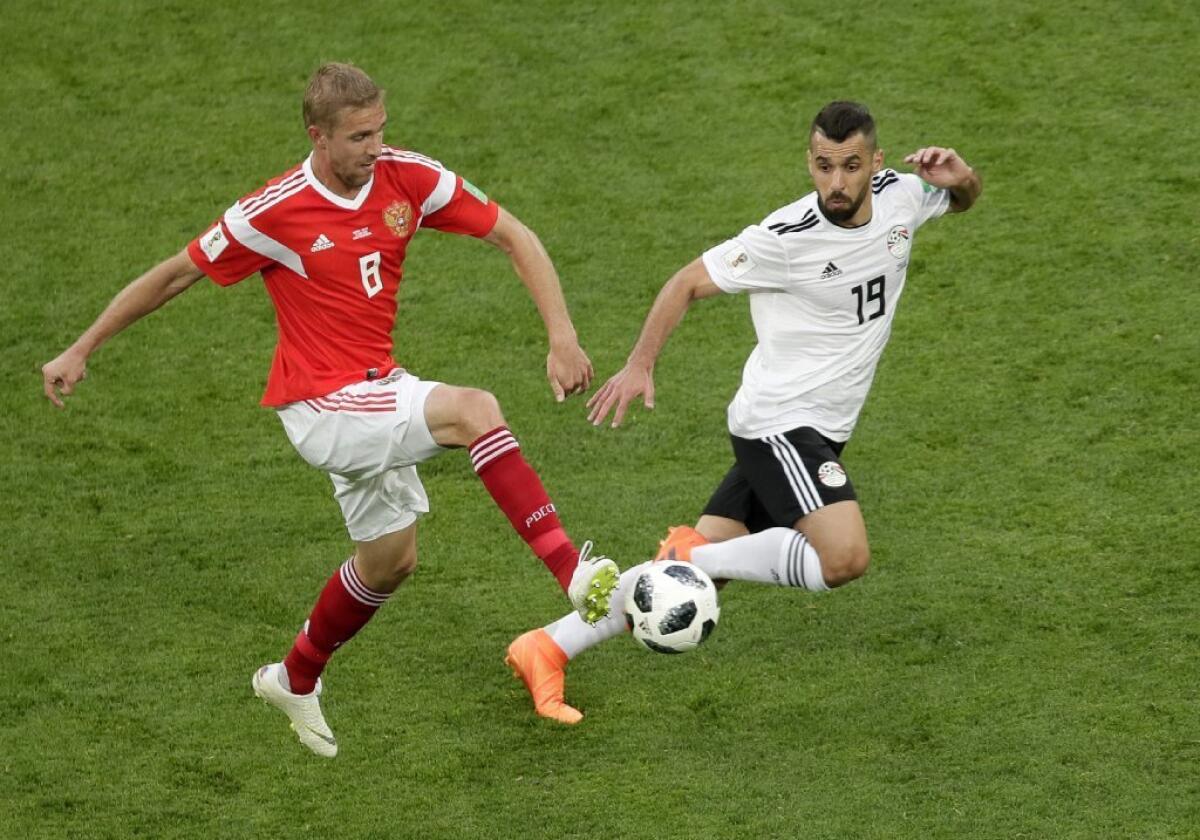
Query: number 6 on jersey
[368,267]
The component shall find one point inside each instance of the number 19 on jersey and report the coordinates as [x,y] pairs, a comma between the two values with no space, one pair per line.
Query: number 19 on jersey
[870,295]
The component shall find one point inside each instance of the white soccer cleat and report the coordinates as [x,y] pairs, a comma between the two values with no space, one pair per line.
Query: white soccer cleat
[592,584]
[304,710]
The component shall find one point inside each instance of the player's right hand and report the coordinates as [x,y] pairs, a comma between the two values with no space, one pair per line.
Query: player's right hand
[569,370]
[619,391]
[60,376]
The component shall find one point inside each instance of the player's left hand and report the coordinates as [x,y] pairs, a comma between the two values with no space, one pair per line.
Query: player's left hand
[942,168]
[569,370]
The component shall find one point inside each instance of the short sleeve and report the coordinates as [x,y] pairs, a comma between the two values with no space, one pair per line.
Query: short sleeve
[465,210]
[754,260]
[929,201]
[223,258]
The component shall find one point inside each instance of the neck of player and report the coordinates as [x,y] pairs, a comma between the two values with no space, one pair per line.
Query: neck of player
[323,171]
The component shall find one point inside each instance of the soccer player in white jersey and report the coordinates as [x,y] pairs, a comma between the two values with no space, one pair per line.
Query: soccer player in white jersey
[329,238]
[825,274]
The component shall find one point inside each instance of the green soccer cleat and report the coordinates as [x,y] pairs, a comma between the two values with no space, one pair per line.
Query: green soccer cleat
[592,585]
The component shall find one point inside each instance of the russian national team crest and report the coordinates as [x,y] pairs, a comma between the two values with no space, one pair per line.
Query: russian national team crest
[398,217]
[831,474]
[898,240]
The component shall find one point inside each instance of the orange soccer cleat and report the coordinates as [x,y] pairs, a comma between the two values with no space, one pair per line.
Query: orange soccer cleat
[679,544]
[541,664]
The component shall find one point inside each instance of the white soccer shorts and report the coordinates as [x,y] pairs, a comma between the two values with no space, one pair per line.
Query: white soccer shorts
[369,436]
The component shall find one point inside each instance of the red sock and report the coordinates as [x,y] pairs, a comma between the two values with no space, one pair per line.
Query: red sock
[518,491]
[344,606]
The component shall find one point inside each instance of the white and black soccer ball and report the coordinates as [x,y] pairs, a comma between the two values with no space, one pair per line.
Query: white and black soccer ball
[671,607]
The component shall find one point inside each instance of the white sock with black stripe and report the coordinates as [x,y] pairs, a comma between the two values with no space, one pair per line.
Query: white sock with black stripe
[777,555]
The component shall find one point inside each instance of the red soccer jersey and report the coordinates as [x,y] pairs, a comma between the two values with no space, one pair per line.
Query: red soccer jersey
[333,265]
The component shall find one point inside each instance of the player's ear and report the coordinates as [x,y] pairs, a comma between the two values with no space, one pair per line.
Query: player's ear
[316,136]
[877,161]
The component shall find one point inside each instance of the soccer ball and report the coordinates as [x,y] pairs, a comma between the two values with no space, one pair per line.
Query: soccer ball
[671,607]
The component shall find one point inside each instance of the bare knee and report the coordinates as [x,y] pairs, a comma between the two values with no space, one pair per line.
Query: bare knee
[382,568]
[480,412]
[839,535]
[459,416]
[845,562]
[403,565]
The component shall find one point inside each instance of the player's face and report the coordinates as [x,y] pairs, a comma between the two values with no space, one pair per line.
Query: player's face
[842,174]
[351,147]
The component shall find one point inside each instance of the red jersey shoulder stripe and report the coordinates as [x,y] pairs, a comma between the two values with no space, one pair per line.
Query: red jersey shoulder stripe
[409,153]
[420,160]
[262,206]
[271,190]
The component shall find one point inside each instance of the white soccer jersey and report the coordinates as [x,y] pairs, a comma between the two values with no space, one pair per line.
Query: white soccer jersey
[822,305]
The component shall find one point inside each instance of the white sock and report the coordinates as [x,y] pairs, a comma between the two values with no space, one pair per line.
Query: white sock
[777,555]
[574,635]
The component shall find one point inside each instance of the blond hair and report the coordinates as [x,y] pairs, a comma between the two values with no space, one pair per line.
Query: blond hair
[336,86]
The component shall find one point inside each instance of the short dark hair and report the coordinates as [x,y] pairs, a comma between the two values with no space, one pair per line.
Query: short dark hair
[838,120]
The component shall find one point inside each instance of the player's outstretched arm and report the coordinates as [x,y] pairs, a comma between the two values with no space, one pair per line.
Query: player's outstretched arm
[567,367]
[139,298]
[943,168]
[636,379]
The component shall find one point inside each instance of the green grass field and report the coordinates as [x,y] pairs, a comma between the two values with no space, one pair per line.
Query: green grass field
[1022,659]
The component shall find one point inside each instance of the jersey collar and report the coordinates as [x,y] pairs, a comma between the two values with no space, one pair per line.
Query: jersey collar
[865,226]
[332,197]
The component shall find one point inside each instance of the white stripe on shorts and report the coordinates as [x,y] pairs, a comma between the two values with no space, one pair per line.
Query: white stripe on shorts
[798,477]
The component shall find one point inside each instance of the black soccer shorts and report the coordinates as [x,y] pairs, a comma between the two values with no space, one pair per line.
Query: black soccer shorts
[779,479]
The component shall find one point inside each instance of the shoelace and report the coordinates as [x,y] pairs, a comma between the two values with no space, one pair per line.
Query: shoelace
[586,551]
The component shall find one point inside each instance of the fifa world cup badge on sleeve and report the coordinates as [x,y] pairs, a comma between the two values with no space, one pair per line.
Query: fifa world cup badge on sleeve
[737,261]
[213,243]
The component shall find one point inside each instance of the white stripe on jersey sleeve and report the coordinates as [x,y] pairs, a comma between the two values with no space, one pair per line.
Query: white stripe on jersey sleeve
[442,193]
[248,236]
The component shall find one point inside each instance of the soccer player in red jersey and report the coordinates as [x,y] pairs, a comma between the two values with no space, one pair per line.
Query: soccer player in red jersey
[329,238]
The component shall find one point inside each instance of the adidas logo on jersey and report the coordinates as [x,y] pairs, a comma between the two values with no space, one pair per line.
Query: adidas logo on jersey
[323,243]
[830,272]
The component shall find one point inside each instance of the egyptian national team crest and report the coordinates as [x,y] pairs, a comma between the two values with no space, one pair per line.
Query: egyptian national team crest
[831,474]
[898,240]
[398,217]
